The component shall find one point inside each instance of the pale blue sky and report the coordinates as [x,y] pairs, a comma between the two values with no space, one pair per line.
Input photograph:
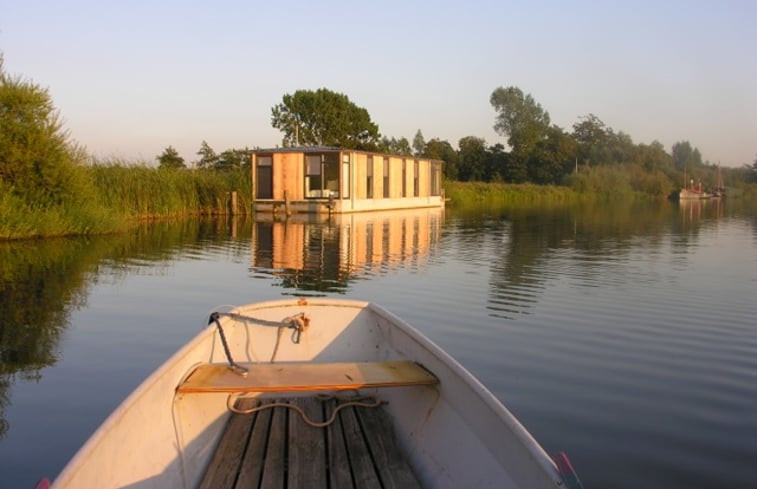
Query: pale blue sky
[132,77]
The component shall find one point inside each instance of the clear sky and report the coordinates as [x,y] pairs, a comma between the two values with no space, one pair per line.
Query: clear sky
[133,77]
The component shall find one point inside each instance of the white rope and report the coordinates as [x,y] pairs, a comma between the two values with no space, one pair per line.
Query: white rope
[357,401]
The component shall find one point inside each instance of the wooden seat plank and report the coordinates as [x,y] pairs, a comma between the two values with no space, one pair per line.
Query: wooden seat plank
[281,377]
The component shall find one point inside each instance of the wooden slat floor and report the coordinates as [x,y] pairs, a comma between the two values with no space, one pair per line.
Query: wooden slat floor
[275,448]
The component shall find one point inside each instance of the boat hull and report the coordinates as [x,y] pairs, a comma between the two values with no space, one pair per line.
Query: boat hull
[454,434]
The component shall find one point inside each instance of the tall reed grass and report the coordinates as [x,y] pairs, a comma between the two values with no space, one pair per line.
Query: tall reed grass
[111,195]
[23,217]
[141,192]
[476,194]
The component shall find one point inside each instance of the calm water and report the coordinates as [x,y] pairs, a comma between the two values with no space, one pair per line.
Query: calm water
[623,335]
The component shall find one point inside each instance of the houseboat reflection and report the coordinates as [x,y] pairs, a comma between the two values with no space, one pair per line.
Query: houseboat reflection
[313,252]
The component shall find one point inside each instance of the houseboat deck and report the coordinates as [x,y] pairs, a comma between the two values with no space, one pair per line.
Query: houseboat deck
[275,448]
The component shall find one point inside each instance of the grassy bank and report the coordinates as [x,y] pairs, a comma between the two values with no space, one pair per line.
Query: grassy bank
[110,197]
[139,192]
[475,194]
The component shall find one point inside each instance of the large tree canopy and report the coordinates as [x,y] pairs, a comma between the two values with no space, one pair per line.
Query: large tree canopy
[37,160]
[519,118]
[170,159]
[686,156]
[324,118]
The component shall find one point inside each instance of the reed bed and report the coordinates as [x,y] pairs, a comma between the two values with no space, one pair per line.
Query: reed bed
[140,192]
[472,194]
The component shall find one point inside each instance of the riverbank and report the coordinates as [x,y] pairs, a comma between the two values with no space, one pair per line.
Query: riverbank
[112,197]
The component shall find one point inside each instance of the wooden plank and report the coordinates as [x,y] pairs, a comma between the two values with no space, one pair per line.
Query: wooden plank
[275,448]
[307,446]
[223,468]
[363,472]
[392,467]
[251,470]
[338,462]
[275,454]
[280,377]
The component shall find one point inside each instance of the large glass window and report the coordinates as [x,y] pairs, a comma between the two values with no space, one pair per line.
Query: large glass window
[346,182]
[322,175]
[386,178]
[436,178]
[404,177]
[330,175]
[313,176]
[416,182]
[369,178]
[264,177]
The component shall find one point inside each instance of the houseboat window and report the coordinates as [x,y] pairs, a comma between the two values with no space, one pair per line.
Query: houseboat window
[436,178]
[404,177]
[330,175]
[416,188]
[322,176]
[369,178]
[346,182]
[264,177]
[313,180]
[386,178]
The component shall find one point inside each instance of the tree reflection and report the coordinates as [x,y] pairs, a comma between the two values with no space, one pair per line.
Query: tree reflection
[40,283]
[572,240]
[43,281]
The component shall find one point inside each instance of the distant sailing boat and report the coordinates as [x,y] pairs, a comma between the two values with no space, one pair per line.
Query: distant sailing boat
[719,190]
[692,191]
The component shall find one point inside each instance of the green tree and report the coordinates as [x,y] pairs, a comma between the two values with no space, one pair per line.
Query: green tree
[442,150]
[233,159]
[685,156]
[395,146]
[591,134]
[419,144]
[38,163]
[553,157]
[208,157]
[472,159]
[496,163]
[170,159]
[323,118]
[653,157]
[519,118]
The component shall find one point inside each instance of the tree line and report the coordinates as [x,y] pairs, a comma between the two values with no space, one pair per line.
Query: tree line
[538,151]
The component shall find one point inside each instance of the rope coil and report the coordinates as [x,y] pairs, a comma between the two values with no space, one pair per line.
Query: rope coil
[352,401]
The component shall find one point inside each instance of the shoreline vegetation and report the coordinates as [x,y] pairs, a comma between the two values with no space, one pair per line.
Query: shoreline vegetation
[121,196]
[113,198]
[51,187]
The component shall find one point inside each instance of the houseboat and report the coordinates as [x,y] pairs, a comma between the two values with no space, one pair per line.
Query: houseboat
[328,180]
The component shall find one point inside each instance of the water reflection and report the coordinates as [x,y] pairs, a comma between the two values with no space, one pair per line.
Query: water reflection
[43,281]
[585,246]
[320,254]
[40,283]
[696,210]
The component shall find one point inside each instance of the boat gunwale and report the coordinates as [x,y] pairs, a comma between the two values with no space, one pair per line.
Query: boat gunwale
[490,400]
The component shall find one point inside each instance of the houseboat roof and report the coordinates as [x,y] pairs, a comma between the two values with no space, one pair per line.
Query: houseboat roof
[331,149]
[300,149]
